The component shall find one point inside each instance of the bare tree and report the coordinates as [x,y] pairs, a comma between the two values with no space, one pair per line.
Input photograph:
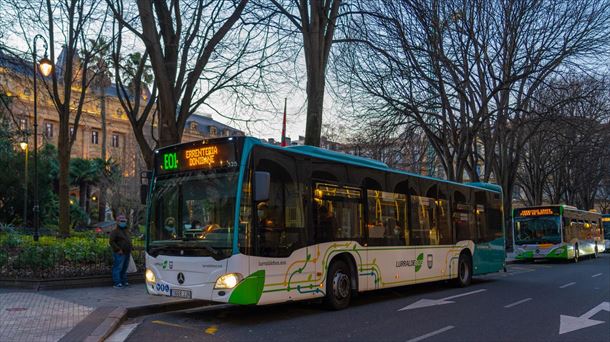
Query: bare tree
[76,26]
[316,20]
[194,49]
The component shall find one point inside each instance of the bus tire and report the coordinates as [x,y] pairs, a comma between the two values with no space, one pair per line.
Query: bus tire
[338,286]
[464,276]
[576,253]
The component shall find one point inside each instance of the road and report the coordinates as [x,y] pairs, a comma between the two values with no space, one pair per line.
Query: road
[524,304]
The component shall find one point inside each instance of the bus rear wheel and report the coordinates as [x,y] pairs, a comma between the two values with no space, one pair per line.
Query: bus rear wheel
[338,286]
[464,276]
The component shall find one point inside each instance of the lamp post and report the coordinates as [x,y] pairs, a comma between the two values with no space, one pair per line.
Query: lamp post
[24,147]
[46,67]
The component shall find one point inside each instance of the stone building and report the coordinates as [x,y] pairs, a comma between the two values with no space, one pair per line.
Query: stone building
[16,82]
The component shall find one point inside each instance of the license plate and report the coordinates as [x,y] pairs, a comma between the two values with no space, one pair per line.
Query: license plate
[181,293]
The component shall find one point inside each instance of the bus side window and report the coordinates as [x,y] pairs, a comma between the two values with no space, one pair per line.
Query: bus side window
[337,213]
[463,218]
[279,223]
[386,213]
[424,230]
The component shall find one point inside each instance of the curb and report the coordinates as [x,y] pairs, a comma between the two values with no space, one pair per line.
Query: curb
[103,321]
[65,283]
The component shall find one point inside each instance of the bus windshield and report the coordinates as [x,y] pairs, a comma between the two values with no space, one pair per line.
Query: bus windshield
[193,215]
[534,230]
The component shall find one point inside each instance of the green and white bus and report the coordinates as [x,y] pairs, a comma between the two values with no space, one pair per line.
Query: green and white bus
[557,232]
[236,220]
[606,226]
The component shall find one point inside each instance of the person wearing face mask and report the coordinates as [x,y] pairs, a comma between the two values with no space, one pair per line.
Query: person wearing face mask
[120,242]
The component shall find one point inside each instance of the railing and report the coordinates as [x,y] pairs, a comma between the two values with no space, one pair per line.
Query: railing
[52,257]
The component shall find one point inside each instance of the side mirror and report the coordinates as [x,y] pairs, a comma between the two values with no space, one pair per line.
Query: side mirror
[262,181]
[143,193]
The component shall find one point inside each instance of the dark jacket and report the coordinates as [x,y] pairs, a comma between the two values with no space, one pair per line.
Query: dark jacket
[120,240]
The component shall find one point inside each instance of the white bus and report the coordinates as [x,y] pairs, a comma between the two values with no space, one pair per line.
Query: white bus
[557,232]
[235,220]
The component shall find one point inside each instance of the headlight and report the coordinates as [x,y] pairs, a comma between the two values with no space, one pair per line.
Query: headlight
[150,276]
[228,281]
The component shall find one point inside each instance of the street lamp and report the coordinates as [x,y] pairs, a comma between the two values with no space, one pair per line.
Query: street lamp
[24,147]
[46,67]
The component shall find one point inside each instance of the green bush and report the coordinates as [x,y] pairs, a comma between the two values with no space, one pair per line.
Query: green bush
[10,240]
[38,256]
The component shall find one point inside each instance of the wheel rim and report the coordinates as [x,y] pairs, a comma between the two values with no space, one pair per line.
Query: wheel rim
[341,286]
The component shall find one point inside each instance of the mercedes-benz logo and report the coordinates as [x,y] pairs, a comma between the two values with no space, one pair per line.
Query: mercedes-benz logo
[180,278]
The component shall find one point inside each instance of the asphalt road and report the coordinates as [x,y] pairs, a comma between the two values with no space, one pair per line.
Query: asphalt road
[524,304]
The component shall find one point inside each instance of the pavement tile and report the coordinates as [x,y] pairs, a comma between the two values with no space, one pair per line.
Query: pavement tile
[27,315]
[30,316]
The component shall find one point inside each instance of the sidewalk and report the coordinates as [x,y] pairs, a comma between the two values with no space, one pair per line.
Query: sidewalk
[49,315]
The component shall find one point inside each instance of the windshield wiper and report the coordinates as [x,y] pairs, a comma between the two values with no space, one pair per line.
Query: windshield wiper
[211,250]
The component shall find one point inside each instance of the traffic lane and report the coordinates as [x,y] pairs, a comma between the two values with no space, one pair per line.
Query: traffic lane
[480,316]
[534,303]
[292,321]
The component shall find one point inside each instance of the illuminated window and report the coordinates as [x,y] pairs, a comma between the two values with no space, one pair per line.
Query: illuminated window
[48,130]
[71,132]
[23,124]
[94,137]
[115,140]
[386,218]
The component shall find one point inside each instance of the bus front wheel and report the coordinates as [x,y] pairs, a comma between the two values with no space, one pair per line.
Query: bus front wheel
[338,285]
[464,270]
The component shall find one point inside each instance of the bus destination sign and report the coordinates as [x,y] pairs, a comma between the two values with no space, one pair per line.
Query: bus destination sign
[186,158]
[537,212]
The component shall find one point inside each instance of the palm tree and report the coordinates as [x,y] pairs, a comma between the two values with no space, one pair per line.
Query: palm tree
[84,173]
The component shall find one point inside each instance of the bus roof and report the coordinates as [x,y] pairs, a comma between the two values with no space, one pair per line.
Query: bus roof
[344,158]
[563,207]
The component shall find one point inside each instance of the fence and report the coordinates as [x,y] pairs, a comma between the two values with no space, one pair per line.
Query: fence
[52,257]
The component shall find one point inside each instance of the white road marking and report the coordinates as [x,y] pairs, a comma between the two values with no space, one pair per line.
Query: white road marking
[596,275]
[571,323]
[566,285]
[122,333]
[439,331]
[422,303]
[517,303]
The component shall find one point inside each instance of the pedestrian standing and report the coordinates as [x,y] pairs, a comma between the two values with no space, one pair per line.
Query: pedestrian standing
[120,242]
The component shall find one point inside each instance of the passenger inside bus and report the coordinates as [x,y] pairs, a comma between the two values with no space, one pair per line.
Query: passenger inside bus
[327,224]
[169,229]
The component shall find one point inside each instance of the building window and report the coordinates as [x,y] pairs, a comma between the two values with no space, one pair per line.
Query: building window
[213,131]
[226,132]
[48,130]
[194,125]
[115,140]
[27,91]
[94,137]
[23,124]
[71,132]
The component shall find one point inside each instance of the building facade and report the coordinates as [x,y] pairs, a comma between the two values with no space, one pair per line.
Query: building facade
[16,83]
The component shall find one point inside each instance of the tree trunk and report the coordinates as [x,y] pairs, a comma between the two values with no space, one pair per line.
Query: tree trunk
[315,105]
[101,209]
[63,156]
